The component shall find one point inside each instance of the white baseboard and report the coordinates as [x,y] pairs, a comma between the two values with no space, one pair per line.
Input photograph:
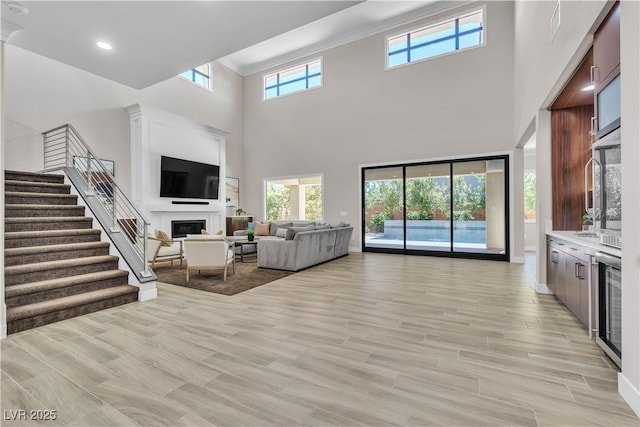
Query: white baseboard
[3,331]
[629,393]
[147,291]
[517,259]
[542,288]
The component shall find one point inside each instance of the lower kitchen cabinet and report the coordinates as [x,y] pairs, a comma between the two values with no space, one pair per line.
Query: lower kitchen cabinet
[568,272]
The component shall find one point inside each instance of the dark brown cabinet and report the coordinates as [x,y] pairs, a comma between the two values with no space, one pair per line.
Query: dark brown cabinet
[235,223]
[568,275]
[606,49]
[605,74]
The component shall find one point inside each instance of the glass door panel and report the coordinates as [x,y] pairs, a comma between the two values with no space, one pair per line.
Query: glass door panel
[383,203]
[479,221]
[428,207]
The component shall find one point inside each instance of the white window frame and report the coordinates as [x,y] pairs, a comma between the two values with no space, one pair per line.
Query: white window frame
[450,18]
[209,77]
[266,76]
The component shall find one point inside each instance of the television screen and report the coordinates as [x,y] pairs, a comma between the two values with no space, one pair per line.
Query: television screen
[187,179]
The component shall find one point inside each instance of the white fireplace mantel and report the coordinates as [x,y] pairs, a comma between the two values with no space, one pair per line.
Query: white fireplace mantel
[155,133]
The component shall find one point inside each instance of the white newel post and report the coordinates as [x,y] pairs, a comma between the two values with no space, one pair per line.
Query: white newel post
[6,29]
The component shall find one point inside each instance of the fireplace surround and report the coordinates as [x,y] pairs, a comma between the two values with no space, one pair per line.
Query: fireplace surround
[184,227]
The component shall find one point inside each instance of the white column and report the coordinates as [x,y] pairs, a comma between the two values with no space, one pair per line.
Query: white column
[7,28]
[543,194]
[629,378]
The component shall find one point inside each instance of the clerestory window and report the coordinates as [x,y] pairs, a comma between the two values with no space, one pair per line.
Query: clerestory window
[295,79]
[462,32]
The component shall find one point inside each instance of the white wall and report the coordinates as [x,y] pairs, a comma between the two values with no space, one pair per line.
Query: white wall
[42,93]
[456,105]
[629,379]
[543,66]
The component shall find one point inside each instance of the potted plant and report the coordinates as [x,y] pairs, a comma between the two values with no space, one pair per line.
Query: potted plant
[250,235]
[240,211]
[587,219]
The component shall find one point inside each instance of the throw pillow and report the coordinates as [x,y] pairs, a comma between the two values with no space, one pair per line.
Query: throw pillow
[262,229]
[339,225]
[281,232]
[164,238]
[292,231]
[280,224]
[323,227]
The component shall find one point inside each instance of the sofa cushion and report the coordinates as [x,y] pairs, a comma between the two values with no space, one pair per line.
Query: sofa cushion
[339,225]
[281,232]
[292,231]
[302,223]
[279,224]
[262,229]
[323,227]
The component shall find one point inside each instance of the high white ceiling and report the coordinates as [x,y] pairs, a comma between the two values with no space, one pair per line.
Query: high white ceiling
[155,40]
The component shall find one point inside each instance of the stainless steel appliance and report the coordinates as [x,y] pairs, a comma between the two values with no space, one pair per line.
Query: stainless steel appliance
[607,189]
[610,305]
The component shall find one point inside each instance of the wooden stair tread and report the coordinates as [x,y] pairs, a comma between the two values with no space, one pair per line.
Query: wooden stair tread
[29,288]
[54,265]
[58,304]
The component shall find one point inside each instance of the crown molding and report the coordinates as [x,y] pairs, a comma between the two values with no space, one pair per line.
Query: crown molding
[7,28]
[359,33]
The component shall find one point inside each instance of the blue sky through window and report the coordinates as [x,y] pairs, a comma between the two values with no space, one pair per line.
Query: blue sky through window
[293,80]
[456,34]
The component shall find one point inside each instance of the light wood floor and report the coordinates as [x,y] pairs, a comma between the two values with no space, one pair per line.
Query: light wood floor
[369,339]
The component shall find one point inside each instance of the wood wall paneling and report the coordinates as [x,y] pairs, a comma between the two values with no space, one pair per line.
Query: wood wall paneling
[571,150]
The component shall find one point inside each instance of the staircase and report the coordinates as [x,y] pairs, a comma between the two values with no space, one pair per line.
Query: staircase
[56,267]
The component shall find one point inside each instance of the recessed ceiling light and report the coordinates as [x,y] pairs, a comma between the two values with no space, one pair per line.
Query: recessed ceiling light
[104,45]
[17,8]
[587,88]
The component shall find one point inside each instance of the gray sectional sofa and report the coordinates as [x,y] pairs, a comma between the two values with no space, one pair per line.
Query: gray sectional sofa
[306,244]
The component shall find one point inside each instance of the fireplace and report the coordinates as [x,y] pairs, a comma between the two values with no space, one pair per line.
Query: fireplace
[182,228]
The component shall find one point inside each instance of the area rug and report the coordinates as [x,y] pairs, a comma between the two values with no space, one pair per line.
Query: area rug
[247,276]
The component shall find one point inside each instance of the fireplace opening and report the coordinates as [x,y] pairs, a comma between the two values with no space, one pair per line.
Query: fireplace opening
[182,228]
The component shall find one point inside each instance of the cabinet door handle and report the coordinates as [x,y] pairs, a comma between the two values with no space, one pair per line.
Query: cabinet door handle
[593,73]
[575,270]
[580,276]
[594,121]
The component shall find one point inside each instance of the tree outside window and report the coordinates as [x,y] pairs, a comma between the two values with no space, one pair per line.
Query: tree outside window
[294,199]
[530,195]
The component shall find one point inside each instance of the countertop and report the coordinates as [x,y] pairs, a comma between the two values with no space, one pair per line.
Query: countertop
[589,242]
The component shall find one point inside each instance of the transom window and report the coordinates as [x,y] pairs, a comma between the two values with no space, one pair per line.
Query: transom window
[459,33]
[295,79]
[200,76]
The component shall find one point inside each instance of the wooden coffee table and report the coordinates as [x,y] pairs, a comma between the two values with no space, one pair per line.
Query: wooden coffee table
[241,243]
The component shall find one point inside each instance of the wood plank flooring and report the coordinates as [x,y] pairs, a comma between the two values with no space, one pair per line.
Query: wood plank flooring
[368,339]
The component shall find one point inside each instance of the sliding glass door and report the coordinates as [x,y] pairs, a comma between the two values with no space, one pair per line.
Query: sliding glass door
[457,208]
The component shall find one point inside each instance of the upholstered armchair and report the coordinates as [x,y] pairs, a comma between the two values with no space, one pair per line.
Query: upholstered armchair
[208,254]
[156,252]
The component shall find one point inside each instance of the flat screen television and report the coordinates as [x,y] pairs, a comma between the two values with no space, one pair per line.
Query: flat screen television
[186,179]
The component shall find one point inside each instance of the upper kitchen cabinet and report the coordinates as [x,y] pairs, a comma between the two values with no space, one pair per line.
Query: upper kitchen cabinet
[605,75]
[606,49]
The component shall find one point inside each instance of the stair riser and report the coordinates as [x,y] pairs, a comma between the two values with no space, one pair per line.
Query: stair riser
[66,200]
[58,240]
[44,319]
[44,226]
[13,212]
[38,276]
[65,292]
[36,189]
[53,179]
[54,256]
